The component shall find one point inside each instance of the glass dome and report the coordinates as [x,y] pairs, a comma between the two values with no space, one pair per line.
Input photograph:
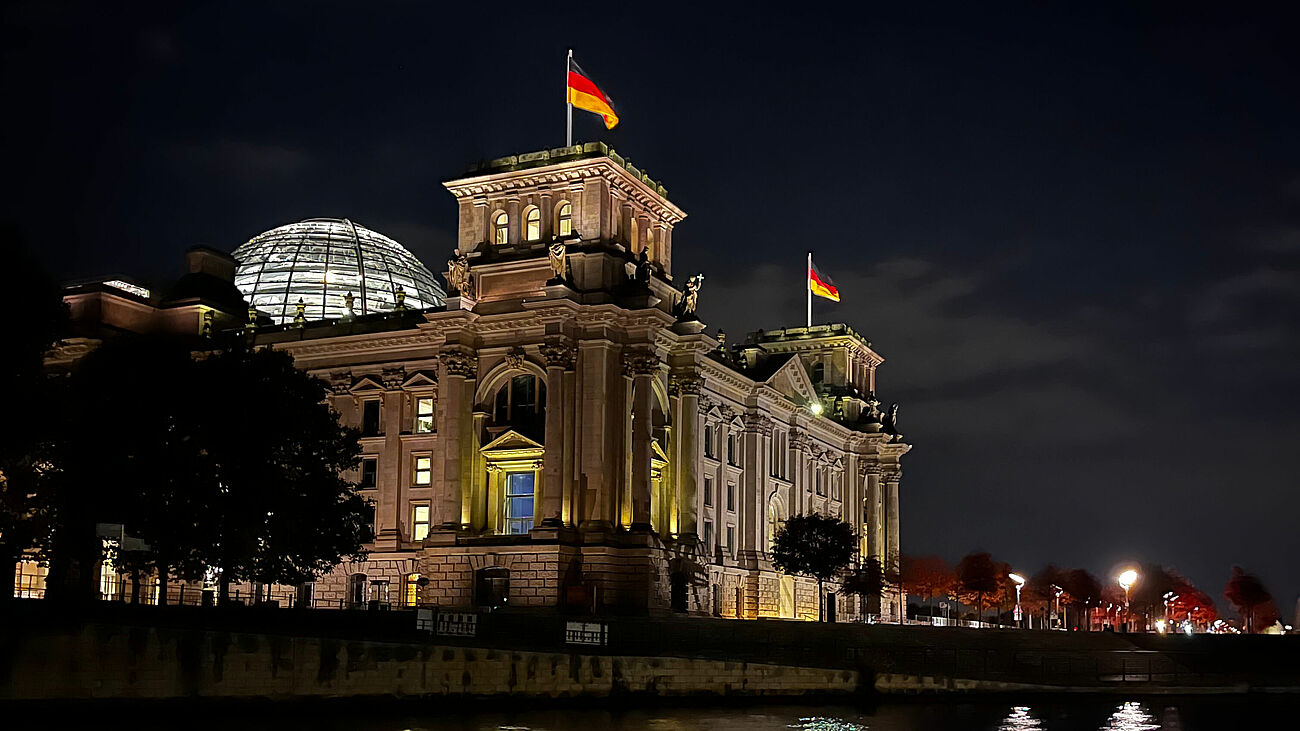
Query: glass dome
[320,261]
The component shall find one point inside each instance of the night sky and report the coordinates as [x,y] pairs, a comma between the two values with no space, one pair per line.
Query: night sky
[1073,234]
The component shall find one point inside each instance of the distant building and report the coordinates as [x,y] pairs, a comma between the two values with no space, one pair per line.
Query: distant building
[556,428]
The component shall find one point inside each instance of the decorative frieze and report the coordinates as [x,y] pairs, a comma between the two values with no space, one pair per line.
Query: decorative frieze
[392,377]
[340,382]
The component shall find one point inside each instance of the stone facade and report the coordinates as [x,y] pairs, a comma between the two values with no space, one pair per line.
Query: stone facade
[565,434]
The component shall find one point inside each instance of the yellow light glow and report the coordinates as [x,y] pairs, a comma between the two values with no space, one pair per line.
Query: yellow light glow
[1128,578]
[816,407]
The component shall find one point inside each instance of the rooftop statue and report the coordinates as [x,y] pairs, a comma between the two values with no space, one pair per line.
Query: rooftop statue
[559,260]
[458,274]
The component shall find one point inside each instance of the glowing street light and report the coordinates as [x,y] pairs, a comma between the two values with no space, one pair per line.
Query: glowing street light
[1020,584]
[1127,580]
[816,408]
[1058,591]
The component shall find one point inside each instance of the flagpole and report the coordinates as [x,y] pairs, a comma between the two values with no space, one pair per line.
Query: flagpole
[807,275]
[568,130]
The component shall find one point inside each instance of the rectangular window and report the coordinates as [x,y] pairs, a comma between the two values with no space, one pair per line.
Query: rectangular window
[708,491]
[519,502]
[369,473]
[821,486]
[708,441]
[419,522]
[412,590]
[370,418]
[708,535]
[731,538]
[422,473]
[731,449]
[424,415]
[731,497]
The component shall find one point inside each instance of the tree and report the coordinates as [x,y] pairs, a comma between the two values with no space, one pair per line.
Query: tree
[866,581]
[1247,594]
[284,512]
[927,577]
[26,422]
[1082,591]
[814,545]
[977,574]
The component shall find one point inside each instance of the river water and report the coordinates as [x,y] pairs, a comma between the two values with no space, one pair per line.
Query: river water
[1092,714]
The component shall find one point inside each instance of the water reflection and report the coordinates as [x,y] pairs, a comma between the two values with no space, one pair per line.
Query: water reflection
[1131,716]
[818,723]
[1020,719]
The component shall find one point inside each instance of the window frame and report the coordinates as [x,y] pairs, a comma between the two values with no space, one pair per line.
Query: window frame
[518,525]
[532,232]
[419,415]
[378,430]
[564,219]
[372,460]
[416,470]
[500,228]
[708,492]
[417,524]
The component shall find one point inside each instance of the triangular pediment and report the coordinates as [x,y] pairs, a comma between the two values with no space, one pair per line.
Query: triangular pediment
[366,383]
[421,379]
[792,380]
[511,441]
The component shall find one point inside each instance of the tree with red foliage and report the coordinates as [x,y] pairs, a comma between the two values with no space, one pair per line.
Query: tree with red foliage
[927,577]
[1082,591]
[1247,594]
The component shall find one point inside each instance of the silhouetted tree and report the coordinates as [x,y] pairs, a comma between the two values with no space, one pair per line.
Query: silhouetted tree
[285,512]
[866,581]
[1247,594]
[37,319]
[814,545]
[1082,591]
[977,574]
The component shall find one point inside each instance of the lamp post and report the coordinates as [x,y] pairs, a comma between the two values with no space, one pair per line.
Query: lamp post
[1058,591]
[1020,583]
[1127,580]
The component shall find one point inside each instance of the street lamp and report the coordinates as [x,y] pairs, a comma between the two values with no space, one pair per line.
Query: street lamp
[1058,591]
[1127,580]
[1020,583]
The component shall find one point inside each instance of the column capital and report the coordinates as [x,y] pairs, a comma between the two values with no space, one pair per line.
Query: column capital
[392,377]
[459,363]
[559,353]
[757,422]
[340,382]
[684,384]
[640,362]
[866,469]
[891,474]
[798,439]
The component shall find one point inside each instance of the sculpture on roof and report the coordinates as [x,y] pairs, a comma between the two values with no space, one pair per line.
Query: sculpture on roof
[458,274]
[891,421]
[690,298]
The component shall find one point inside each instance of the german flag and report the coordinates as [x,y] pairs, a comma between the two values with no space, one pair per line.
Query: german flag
[820,284]
[584,94]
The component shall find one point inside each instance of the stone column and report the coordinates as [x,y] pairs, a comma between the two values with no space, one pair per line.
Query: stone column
[891,514]
[459,369]
[389,531]
[642,366]
[559,355]
[752,497]
[871,512]
[687,386]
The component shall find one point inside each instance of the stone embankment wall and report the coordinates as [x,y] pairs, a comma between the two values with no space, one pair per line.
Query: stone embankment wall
[99,662]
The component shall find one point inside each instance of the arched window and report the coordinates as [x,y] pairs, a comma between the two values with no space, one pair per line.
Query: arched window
[521,404]
[501,228]
[532,223]
[564,220]
[774,520]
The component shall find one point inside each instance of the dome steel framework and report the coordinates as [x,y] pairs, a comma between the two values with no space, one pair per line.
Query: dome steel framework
[321,261]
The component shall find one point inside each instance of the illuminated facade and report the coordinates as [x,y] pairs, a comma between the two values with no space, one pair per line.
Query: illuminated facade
[562,432]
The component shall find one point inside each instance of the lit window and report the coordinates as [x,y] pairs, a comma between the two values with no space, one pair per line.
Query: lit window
[419,522]
[411,594]
[501,229]
[370,418]
[423,471]
[708,491]
[564,220]
[369,472]
[532,224]
[519,502]
[424,415]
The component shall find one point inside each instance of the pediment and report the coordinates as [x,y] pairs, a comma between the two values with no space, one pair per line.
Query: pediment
[792,380]
[511,441]
[421,379]
[366,384]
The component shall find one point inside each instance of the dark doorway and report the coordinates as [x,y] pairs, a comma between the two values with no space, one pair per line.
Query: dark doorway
[677,585]
[492,589]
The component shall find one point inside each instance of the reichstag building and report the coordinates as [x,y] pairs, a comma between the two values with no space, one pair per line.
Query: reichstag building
[553,427]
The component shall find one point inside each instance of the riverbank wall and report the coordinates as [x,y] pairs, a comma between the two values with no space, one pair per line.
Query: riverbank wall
[104,651]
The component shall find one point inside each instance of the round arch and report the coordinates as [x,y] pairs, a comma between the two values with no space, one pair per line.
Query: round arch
[499,374]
